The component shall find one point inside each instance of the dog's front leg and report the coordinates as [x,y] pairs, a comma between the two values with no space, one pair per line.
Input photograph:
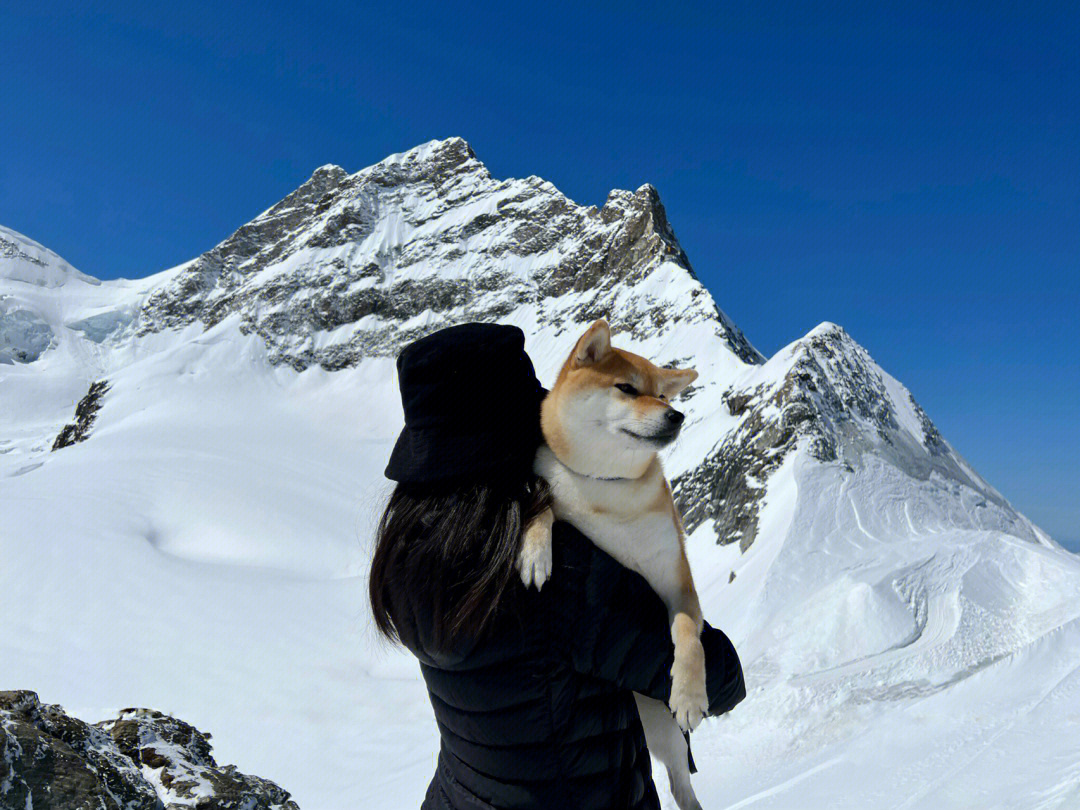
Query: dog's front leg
[534,560]
[689,700]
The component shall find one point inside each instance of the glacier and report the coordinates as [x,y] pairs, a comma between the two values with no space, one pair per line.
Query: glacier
[909,639]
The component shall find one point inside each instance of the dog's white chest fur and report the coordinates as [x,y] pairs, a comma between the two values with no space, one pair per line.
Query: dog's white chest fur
[628,519]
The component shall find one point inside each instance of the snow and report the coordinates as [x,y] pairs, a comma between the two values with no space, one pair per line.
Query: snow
[172,563]
[909,640]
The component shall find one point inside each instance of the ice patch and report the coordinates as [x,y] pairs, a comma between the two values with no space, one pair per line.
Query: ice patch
[100,327]
[24,335]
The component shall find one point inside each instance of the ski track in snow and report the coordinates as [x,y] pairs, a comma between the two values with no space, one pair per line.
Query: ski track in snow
[784,786]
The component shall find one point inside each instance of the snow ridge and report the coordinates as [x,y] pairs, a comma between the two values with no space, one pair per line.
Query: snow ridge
[23,259]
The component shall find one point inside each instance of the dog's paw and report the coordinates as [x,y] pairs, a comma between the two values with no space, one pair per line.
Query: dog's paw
[534,564]
[534,559]
[689,700]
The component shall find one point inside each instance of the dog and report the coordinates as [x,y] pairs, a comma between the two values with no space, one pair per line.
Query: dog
[604,421]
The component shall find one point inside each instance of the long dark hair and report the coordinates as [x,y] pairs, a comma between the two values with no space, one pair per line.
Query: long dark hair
[449,554]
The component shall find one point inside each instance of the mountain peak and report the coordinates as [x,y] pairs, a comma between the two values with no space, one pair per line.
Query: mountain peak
[330,170]
[349,266]
[823,393]
[434,161]
[827,329]
[644,196]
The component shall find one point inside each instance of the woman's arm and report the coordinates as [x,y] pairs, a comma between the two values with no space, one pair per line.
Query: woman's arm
[616,628]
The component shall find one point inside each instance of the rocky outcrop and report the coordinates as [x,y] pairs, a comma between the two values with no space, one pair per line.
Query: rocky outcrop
[142,760]
[85,414]
[10,249]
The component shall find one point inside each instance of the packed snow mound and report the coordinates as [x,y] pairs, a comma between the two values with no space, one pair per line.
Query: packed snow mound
[898,649]
[903,629]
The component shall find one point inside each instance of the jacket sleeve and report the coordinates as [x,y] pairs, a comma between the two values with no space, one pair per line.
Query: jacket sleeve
[723,672]
[616,628]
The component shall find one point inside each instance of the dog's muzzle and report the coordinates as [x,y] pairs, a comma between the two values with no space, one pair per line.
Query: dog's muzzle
[667,433]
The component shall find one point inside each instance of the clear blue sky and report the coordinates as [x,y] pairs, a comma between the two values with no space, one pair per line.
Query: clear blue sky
[910,173]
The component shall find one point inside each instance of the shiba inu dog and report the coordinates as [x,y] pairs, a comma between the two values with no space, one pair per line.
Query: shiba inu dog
[604,421]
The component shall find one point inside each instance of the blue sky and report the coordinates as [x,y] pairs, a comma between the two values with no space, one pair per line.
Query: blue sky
[912,173]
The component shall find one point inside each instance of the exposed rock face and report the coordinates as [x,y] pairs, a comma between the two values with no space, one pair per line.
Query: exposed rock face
[10,249]
[51,760]
[352,266]
[143,760]
[85,414]
[183,767]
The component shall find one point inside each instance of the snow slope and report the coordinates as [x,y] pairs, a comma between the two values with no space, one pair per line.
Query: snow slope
[909,639]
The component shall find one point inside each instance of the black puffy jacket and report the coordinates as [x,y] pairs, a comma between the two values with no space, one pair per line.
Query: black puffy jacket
[540,714]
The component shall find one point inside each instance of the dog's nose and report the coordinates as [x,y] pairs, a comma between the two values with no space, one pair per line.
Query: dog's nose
[674,417]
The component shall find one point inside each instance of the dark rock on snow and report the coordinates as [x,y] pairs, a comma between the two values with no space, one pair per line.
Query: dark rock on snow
[142,760]
[85,413]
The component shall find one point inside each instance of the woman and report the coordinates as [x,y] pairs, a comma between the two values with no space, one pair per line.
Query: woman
[532,691]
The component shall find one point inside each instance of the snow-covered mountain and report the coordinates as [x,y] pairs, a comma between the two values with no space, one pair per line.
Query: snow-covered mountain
[905,631]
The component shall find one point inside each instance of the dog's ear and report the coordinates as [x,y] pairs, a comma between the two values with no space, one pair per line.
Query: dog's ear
[674,380]
[594,345]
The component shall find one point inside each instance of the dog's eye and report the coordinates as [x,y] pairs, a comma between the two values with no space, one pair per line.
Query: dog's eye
[627,388]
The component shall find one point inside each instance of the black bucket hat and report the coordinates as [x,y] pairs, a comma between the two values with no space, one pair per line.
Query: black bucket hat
[472,407]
